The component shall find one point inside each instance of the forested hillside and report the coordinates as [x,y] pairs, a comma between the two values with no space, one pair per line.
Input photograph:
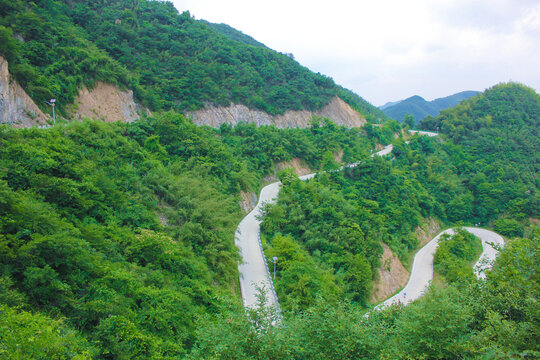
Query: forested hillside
[328,232]
[497,153]
[123,233]
[169,60]
[117,239]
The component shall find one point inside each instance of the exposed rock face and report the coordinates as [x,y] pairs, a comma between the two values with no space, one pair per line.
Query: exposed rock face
[16,107]
[108,103]
[427,232]
[337,110]
[391,276]
[248,201]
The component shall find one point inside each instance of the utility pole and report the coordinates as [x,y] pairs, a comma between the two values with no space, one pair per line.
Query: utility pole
[52,102]
[53,116]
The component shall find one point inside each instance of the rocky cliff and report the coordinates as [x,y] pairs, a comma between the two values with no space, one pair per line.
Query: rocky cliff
[108,103]
[16,107]
[337,110]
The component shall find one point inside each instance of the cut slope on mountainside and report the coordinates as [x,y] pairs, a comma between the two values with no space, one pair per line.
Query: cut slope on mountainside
[108,103]
[419,108]
[391,276]
[169,60]
[337,110]
[16,107]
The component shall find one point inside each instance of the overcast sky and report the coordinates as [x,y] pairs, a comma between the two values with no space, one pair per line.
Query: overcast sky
[387,50]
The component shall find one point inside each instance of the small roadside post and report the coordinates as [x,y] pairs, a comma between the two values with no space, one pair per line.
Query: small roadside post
[274,259]
[52,102]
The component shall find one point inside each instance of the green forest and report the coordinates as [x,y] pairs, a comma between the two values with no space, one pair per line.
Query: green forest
[171,61]
[117,239]
[112,254]
[126,249]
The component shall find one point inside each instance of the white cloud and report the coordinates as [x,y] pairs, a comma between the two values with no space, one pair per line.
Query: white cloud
[391,49]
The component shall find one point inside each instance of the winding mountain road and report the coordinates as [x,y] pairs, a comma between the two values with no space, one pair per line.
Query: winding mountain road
[422,270]
[255,274]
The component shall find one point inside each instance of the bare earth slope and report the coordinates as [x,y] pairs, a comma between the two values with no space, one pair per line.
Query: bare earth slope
[108,103]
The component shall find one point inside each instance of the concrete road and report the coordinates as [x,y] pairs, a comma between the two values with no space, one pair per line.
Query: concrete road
[254,272]
[420,132]
[422,270]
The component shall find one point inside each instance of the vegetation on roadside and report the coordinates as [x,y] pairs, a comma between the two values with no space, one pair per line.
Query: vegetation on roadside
[317,227]
[495,319]
[117,240]
[122,235]
[455,255]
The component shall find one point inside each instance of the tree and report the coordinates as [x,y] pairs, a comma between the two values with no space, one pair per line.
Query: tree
[409,121]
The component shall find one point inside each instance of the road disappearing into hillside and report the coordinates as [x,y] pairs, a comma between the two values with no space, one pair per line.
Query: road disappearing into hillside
[254,269]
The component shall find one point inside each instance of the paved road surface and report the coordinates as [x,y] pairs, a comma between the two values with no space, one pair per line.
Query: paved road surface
[422,270]
[254,268]
[420,132]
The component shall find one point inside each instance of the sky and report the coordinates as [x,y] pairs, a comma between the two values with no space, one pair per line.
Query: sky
[388,50]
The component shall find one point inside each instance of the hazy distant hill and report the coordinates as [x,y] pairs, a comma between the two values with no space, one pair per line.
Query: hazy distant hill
[420,108]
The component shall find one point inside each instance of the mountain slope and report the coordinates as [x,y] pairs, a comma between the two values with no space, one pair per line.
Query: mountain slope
[420,108]
[234,34]
[169,60]
[496,149]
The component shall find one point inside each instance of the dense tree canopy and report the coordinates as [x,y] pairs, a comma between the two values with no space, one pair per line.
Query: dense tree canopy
[169,60]
[117,240]
[494,148]
[123,234]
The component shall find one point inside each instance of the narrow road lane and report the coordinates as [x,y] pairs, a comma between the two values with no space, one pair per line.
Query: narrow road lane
[254,272]
[422,270]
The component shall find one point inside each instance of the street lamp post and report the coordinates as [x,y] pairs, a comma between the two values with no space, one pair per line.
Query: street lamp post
[52,102]
[53,115]
[275,261]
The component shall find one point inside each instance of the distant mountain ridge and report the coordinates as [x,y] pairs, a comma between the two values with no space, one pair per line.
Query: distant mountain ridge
[418,107]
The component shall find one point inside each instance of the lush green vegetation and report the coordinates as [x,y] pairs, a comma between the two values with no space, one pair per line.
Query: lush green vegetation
[455,254]
[496,151]
[497,319]
[116,240]
[56,57]
[170,60]
[328,231]
[121,235]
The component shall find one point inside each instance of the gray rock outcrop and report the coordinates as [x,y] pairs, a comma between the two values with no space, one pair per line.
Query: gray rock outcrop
[337,110]
[16,107]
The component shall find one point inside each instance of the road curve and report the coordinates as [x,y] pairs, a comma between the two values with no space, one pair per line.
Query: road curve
[254,272]
[253,269]
[422,269]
